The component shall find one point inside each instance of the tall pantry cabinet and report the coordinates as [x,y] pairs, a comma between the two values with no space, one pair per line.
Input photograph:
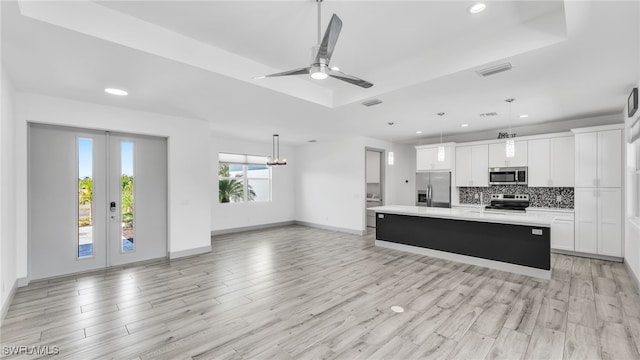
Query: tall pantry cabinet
[598,195]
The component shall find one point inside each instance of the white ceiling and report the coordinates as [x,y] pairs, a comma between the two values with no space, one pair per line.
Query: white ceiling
[198,59]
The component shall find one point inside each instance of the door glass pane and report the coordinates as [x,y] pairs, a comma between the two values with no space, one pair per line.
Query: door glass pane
[85,197]
[127,193]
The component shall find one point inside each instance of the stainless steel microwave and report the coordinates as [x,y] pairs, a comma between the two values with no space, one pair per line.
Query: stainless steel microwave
[508,176]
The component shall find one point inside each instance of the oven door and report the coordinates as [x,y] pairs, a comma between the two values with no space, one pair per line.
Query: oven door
[503,177]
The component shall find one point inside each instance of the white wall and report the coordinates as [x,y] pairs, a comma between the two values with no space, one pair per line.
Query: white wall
[242,215]
[401,192]
[189,185]
[8,273]
[331,187]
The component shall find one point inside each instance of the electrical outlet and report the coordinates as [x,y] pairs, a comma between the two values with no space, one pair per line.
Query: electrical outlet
[559,198]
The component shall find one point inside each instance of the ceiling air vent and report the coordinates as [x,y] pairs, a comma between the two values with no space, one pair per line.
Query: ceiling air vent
[372,102]
[494,69]
[488,114]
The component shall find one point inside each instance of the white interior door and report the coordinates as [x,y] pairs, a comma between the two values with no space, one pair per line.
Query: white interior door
[67,193]
[138,193]
[74,175]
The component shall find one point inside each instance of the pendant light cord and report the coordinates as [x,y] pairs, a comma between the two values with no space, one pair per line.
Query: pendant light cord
[319,19]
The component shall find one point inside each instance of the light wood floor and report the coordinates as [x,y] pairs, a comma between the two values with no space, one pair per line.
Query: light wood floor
[297,292]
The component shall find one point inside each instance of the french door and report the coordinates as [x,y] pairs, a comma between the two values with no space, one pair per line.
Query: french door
[96,199]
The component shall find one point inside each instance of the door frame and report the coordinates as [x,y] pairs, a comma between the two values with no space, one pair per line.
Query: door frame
[383,182]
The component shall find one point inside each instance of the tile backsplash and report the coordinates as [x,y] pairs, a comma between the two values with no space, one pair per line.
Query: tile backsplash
[538,196]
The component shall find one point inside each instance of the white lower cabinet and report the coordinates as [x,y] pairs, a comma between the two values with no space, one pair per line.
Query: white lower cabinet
[598,221]
[562,235]
[562,228]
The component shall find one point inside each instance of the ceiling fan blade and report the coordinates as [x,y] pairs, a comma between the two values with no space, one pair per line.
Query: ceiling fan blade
[329,40]
[350,79]
[290,72]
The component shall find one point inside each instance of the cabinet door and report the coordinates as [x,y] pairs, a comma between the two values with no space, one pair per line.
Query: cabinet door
[463,166]
[586,220]
[520,158]
[373,167]
[586,145]
[538,160]
[426,159]
[609,158]
[562,235]
[480,165]
[561,171]
[498,155]
[609,222]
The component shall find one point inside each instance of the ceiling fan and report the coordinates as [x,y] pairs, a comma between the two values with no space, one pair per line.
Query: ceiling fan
[321,55]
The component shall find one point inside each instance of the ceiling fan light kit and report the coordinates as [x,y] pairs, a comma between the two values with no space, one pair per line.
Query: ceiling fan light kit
[321,55]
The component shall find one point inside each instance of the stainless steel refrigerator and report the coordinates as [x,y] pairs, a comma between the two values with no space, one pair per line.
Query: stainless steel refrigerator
[433,189]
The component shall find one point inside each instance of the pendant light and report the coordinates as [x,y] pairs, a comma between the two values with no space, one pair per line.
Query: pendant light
[275,159]
[510,145]
[441,147]
[390,159]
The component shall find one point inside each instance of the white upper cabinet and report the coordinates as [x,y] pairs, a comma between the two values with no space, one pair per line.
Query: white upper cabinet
[551,162]
[373,167]
[598,159]
[472,165]
[538,163]
[498,155]
[609,158]
[427,158]
[561,171]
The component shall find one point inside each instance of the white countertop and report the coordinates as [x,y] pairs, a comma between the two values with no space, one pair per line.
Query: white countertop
[468,214]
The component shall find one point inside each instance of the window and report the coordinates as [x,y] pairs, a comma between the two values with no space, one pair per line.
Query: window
[127,191]
[85,198]
[243,178]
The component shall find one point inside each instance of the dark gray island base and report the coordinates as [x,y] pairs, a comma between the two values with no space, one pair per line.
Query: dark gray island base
[520,248]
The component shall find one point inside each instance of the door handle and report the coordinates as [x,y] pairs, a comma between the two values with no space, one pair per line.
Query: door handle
[112,207]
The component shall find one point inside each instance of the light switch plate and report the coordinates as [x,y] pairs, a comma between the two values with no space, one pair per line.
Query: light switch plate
[559,198]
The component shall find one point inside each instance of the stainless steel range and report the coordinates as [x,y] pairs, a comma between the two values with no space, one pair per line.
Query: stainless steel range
[509,202]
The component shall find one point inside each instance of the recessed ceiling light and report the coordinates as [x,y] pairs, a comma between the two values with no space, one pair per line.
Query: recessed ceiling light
[118,92]
[464,125]
[397,309]
[524,116]
[477,8]
[418,132]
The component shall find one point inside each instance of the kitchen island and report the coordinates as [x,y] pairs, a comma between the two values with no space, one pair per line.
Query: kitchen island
[518,242]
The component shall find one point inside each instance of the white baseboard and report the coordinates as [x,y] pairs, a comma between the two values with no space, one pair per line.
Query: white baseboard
[498,265]
[332,228]
[5,306]
[189,252]
[250,228]
[588,255]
